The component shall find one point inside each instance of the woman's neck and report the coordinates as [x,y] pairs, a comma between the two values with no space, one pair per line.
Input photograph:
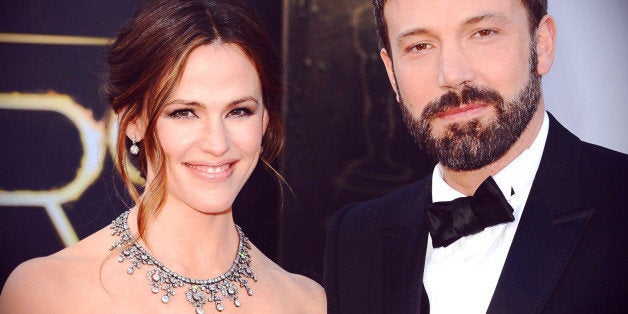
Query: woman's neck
[189,242]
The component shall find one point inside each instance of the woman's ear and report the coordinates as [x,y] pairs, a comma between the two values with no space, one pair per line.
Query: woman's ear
[136,128]
[133,132]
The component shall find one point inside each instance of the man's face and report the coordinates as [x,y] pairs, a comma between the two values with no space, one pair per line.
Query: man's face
[466,75]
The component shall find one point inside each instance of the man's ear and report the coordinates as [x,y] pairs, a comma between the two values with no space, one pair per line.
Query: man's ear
[388,63]
[545,44]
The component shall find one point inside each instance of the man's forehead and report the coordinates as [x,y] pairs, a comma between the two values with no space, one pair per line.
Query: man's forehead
[402,15]
[427,8]
[471,21]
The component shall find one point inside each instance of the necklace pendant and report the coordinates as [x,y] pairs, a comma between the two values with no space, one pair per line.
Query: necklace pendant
[199,292]
[196,297]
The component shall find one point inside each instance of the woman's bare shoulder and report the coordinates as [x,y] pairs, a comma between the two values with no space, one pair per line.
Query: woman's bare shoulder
[36,285]
[310,293]
[305,294]
[44,284]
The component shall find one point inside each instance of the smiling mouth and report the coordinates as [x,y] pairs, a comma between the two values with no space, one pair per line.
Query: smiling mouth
[211,170]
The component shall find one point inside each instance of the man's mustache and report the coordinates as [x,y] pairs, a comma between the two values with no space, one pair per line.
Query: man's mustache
[469,94]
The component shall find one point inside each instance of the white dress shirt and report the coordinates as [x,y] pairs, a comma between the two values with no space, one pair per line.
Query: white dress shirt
[462,277]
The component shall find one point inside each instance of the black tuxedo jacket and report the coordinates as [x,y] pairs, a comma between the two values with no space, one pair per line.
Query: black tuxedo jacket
[569,254]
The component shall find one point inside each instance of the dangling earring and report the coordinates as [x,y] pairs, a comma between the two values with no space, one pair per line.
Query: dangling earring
[134,148]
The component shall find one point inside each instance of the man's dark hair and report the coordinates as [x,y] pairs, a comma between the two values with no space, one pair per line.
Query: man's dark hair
[536,10]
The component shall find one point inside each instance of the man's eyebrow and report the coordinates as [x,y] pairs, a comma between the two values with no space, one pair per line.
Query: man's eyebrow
[411,32]
[487,16]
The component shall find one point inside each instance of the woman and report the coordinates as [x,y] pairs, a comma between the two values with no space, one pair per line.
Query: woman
[195,91]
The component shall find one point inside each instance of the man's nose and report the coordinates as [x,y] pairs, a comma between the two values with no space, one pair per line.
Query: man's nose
[454,67]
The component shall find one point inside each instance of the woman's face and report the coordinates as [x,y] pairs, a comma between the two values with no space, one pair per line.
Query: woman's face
[211,129]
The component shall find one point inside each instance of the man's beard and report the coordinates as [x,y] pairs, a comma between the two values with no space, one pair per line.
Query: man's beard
[471,145]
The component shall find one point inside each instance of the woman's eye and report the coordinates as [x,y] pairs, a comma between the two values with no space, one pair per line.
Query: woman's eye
[183,114]
[240,112]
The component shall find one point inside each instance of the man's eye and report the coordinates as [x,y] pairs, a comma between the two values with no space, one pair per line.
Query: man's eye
[420,47]
[485,32]
[182,114]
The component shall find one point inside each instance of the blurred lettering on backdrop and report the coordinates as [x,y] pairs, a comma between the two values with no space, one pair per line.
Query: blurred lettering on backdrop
[96,137]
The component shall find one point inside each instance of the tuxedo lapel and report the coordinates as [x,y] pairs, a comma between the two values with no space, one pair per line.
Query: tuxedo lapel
[404,245]
[539,253]
[551,226]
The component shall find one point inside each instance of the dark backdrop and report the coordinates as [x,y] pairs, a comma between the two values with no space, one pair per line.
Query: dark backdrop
[345,140]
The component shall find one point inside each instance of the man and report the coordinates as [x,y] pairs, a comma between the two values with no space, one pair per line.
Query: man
[546,227]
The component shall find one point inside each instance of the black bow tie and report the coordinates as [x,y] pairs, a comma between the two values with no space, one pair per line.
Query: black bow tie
[450,221]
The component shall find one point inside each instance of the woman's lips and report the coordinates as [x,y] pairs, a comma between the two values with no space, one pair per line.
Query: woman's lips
[213,172]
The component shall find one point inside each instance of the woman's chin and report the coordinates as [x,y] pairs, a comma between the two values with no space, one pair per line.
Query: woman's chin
[216,208]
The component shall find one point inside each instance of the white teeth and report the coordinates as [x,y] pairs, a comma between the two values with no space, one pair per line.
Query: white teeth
[208,169]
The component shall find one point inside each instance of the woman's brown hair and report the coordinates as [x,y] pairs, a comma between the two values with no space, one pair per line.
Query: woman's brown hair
[146,62]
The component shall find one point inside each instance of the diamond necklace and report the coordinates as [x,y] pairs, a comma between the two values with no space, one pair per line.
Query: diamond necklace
[199,291]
